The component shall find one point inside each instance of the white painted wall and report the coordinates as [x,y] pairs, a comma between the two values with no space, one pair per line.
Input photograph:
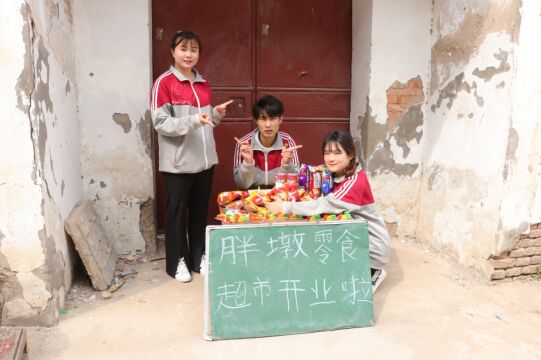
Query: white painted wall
[361,43]
[40,172]
[112,49]
[398,50]
[468,128]
[521,204]
[20,209]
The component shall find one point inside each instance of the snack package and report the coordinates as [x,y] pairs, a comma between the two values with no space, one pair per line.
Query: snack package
[326,182]
[303,176]
[226,197]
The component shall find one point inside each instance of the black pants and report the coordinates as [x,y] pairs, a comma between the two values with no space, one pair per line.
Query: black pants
[187,209]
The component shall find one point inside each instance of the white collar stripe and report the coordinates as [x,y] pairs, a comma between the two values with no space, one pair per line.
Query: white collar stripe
[155,90]
[348,184]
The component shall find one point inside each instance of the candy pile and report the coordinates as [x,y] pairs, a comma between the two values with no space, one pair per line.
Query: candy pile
[248,206]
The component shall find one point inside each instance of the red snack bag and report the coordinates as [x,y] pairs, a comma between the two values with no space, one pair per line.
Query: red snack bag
[294,196]
[225,197]
[315,180]
[240,194]
[282,194]
[238,204]
[258,200]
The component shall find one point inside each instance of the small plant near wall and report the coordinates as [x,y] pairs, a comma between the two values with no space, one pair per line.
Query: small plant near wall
[537,275]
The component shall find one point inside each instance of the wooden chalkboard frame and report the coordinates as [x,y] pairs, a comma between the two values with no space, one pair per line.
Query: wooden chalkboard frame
[354,314]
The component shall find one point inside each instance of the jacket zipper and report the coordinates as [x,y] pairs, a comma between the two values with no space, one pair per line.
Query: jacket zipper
[202,127]
[266,169]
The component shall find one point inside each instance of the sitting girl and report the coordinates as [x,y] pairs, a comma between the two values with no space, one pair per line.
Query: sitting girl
[351,193]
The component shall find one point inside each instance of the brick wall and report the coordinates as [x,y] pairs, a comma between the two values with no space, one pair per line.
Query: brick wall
[400,97]
[522,261]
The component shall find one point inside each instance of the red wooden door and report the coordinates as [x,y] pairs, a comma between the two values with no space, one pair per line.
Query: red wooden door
[297,50]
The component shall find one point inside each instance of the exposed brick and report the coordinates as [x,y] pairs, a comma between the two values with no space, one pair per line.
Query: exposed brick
[535,260]
[522,277]
[501,256]
[401,91]
[497,274]
[534,233]
[523,261]
[412,99]
[513,272]
[526,270]
[518,253]
[396,107]
[536,250]
[538,242]
[503,263]
[392,99]
[415,83]
[525,243]
[523,236]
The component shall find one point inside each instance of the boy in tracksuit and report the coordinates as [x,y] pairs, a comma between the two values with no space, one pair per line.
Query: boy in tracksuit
[266,151]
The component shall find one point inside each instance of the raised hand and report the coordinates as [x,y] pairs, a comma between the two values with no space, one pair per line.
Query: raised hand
[287,153]
[222,108]
[246,151]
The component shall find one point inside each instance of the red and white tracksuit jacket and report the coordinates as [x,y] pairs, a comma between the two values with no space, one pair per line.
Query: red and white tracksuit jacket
[352,194]
[185,146]
[268,161]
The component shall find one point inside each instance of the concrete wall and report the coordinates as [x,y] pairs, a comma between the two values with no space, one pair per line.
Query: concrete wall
[471,137]
[40,173]
[390,124]
[112,48]
[521,204]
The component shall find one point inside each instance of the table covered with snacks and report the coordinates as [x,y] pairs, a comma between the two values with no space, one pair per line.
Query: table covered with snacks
[248,206]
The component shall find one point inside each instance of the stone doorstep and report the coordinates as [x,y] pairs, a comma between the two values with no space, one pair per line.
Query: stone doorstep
[13,343]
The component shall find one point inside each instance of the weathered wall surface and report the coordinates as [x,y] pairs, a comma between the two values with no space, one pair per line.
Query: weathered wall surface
[361,26]
[390,124]
[471,141]
[40,172]
[521,203]
[112,50]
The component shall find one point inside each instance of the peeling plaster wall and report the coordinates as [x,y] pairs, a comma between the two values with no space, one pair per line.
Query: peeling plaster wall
[112,50]
[469,127]
[361,24]
[521,205]
[40,176]
[399,52]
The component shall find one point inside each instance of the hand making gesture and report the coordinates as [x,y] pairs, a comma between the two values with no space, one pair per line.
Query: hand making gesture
[287,153]
[222,108]
[246,151]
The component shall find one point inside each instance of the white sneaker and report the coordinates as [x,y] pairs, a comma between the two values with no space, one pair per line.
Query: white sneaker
[202,269]
[377,279]
[183,274]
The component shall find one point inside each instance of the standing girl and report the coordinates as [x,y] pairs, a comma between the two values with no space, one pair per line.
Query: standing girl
[184,120]
[351,193]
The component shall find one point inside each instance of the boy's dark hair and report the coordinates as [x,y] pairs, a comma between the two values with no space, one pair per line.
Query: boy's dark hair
[345,140]
[270,105]
[185,36]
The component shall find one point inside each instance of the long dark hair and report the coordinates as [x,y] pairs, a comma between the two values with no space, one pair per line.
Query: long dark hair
[346,142]
[184,36]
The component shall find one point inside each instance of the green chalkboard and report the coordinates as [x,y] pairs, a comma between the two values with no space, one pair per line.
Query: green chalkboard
[286,278]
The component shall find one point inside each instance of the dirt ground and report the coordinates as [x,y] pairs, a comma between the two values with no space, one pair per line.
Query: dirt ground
[427,308]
